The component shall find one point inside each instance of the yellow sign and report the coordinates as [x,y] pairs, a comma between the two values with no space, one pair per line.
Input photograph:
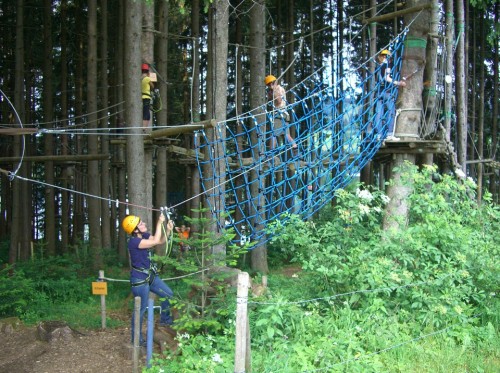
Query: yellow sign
[100,288]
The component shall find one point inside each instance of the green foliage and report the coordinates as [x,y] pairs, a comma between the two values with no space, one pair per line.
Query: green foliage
[56,288]
[204,308]
[200,353]
[435,271]
[368,300]
[16,292]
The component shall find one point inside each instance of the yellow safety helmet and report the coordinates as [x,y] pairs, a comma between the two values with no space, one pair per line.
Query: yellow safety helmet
[385,52]
[130,223]
[269,79]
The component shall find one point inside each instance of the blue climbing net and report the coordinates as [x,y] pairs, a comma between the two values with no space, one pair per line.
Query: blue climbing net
[253,176]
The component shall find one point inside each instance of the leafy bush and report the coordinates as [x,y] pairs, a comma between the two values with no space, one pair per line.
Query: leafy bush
[435,270]
[16,292]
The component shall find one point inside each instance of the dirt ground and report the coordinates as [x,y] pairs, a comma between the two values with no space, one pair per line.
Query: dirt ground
[80,351]
[103,351]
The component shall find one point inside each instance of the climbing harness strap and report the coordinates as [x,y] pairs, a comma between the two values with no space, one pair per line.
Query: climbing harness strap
[152,271]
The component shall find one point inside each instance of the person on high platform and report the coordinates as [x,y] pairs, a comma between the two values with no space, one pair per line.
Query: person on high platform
[147,87]
[385,105]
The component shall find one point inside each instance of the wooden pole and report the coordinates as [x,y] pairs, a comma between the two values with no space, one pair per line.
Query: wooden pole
[137,333]
[241,323]
[399,13]
[151,327]
[103,303]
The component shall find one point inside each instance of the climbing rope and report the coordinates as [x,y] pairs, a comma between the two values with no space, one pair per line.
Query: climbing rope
[333,146]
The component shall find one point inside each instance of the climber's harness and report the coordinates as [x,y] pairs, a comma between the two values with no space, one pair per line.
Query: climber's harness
[152,271]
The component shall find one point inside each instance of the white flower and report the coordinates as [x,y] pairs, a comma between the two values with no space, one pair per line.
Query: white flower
[217,358]
[364,209]
[364,194]
[460,173]
[385,199]
[471,181]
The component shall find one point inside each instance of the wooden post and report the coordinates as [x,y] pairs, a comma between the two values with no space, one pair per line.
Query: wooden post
[242,324]
[151,326]
[103,303]
[137,332]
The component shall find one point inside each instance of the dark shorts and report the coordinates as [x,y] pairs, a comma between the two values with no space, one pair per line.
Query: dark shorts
[146,112]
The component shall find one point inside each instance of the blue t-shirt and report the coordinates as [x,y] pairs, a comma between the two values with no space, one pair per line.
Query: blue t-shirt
[139,257]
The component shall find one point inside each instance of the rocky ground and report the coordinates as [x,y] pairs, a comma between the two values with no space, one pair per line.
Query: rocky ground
[103,351]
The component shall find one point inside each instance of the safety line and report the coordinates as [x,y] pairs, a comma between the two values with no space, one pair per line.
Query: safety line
[305,301]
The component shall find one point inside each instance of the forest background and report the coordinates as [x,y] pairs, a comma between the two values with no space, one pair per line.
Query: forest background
[73,64]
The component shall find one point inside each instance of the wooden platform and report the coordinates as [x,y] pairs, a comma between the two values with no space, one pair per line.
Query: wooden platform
[414,146]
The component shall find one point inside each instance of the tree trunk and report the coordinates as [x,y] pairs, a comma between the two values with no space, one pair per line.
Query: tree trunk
[148,13]
[195,181]
[161,175]
[408,123]
[238,94]
[461,86]
[133,108]
[48,110]
[121,178]
[257,99]
[67,171]
[93,185]
[366,175]
[480,119]
[494,179]
[80,180]
[21,227]
[104,100]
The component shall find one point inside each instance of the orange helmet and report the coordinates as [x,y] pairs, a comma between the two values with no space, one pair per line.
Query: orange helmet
[269,79]
[385,52]
[145,66]
[130,223]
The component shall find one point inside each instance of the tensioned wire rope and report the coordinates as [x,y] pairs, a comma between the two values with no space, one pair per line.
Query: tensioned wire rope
[109,199]
[365,291]
[75,127]
[104,198]
[98,130]
[87,194]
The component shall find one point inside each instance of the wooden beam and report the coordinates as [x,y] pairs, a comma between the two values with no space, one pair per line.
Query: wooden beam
[479,161]
[187,128]
[57,158]
[183,151]
[399,13]
[18,131]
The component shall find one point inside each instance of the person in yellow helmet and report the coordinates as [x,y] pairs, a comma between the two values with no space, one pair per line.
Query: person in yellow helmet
[385,109]
[276,97]
[144,276]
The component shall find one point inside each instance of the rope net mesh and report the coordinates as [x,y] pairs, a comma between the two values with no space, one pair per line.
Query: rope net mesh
[251,173]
